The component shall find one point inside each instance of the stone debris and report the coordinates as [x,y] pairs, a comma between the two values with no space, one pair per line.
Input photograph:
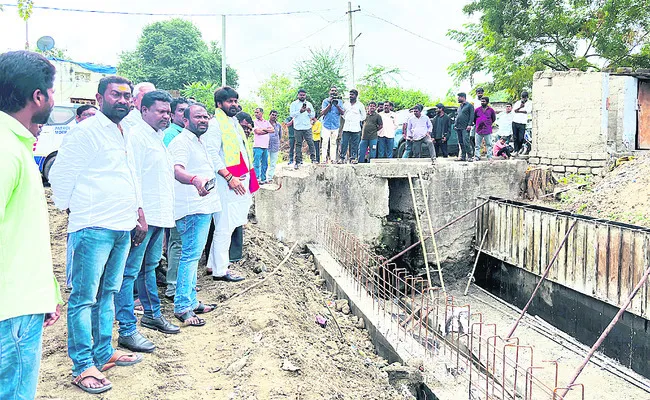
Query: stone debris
[289,366]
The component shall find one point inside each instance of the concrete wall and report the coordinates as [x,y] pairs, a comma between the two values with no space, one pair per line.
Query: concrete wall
[373,201]
[622,126]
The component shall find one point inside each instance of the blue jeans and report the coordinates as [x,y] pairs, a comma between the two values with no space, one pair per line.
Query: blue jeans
[363,147]
[292,143]
[20,356]
[193,230]
[350,140]
[140,271]
[273,159]
[488,145]
[385,147]
[97,269]
[173,256]
[68,262]
[407,151]
[260,162]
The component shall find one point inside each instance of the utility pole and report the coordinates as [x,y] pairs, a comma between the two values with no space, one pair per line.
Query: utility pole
[352,39]
[223,50]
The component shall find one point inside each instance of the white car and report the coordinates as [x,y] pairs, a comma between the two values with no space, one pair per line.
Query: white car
[47,145]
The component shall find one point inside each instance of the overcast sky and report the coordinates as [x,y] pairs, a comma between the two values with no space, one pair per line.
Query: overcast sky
[100,38]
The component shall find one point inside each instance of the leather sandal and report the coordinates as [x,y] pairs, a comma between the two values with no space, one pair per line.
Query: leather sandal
[201,308]
[91,373]
[116,359]
[186,316]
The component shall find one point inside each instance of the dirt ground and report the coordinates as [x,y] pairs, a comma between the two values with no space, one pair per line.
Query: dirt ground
[264,344]
[622,195]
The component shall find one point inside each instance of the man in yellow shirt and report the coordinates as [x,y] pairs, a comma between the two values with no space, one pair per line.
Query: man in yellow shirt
[29,293]
[316,128]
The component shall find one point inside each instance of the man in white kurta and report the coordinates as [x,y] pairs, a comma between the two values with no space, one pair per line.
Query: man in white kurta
[236,198]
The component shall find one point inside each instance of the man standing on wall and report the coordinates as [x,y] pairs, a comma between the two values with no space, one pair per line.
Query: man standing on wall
[441,130]
[485,118]
[418,130]
[155,175]
[386,135]
[94,179]
[302,111]
[30,294]
[332,110]
[195,201]
[355,114]
[463,126]
[274,144]
[236,181]
[371,127]
[523,108]
[261,138]
[504,121]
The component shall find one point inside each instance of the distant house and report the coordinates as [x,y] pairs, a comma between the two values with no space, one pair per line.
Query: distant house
[76,82]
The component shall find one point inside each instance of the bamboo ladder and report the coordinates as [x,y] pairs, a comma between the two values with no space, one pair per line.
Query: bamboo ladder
[420,208]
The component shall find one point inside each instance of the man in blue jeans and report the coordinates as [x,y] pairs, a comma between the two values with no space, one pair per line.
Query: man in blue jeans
[371,126]
[30,295]
[195,200]
[155,176]
[261,138]
[94,179]
[355,114]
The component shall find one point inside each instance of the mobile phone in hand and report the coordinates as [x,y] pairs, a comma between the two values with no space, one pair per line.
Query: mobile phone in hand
[209,185]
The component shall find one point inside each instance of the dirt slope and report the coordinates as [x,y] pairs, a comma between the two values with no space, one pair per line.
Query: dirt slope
[240,352]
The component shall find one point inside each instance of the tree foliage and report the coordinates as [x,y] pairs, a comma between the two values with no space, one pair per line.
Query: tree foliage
[171,54]
[277,93]
[201,92]
[54,52]
[379,84]
[25,9]
[515,38]
[319,72]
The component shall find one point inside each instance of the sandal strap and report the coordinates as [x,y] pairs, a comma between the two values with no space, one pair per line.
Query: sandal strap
[117,355]
[91,372]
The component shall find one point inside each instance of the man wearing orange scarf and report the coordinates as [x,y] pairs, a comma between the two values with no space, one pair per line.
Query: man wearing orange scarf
[236,180]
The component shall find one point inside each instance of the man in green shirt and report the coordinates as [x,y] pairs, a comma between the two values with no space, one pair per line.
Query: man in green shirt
[29,293]
[178,109]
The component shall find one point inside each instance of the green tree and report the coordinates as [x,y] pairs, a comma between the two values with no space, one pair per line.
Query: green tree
[54,52]
[319,72]
[171,54]
[25,9]
[277,93]
[374,86]
[202,92]
[515,38]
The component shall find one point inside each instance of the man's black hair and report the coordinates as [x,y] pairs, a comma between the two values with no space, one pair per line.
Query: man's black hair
[274,111]
[480,89]
[176,102]
[107,80]
[462,94]
[186,113]
[83,108]
[224,93]
[487,99]
[260,108]
[241,116]
[157,95]
[372,102]
[509,104]
[524,94]
[355,91]
[302,91]
[21,74]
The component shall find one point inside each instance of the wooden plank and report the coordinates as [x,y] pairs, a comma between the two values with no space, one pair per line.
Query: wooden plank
[563,226]
[614,265]
[521,230]
[580,257]
[627,264]
[643,116]
[591,271]
[528,250]
[602,243]
[546,223]
[570,274]
[537,220]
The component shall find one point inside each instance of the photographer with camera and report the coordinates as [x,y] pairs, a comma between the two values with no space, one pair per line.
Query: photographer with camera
[522,108]
[332,109]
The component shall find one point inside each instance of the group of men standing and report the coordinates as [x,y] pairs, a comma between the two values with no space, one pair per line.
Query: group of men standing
[126,178]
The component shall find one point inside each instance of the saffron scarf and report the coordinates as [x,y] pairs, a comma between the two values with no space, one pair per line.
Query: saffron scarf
[231,139]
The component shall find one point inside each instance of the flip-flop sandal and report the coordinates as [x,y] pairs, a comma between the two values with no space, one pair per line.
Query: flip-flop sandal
[201,308]
[93,373]
[116,359]
[107,366]
[186,316]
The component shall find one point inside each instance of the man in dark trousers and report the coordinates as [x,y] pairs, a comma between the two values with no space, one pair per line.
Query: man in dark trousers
[463,127]
[441,130]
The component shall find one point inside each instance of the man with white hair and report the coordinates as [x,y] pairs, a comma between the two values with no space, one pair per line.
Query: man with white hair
[135,117]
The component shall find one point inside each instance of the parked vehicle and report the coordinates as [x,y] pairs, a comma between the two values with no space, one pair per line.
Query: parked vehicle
[47,145]
[399,144]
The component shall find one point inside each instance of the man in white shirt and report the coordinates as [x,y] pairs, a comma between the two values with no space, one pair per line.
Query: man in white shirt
[522,109]
[195,200]
[302,111]
[135,116]
[236,182]
[355,114]
[504,122]
[94,179]
[155,175]
[387,133]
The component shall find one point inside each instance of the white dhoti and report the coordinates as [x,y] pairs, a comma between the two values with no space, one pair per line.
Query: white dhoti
[234,213]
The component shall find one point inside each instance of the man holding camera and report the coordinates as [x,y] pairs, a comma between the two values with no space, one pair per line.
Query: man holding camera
[302,111]
[332,109]
[522,109]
